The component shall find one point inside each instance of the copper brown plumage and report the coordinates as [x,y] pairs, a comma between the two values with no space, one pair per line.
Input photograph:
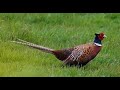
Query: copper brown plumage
[79,55]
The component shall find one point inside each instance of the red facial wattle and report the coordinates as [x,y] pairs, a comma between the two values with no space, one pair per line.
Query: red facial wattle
[100,37]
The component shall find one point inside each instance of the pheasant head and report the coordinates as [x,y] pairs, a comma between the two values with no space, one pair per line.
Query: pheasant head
[98,38]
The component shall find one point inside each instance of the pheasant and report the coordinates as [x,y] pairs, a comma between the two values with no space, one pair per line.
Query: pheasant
[79,55]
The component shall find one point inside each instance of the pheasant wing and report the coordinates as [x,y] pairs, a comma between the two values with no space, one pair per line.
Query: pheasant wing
[75,55]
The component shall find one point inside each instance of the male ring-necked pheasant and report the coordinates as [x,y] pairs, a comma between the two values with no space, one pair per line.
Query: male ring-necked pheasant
[79,55]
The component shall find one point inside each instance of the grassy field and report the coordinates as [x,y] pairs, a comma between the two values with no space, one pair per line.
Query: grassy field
[57,31]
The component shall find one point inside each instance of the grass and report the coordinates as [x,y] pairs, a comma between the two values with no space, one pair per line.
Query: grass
[57,31]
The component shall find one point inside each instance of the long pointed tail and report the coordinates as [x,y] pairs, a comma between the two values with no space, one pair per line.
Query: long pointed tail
[44,49]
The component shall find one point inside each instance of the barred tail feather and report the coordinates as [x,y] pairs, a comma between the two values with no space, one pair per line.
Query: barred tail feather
[44,49]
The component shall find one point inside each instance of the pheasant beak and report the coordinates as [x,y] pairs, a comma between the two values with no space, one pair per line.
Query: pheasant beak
[104,36]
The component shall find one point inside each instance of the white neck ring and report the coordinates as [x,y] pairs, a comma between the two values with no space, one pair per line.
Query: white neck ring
[97,44]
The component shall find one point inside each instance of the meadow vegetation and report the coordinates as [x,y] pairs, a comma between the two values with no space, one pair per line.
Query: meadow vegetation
[57,31]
